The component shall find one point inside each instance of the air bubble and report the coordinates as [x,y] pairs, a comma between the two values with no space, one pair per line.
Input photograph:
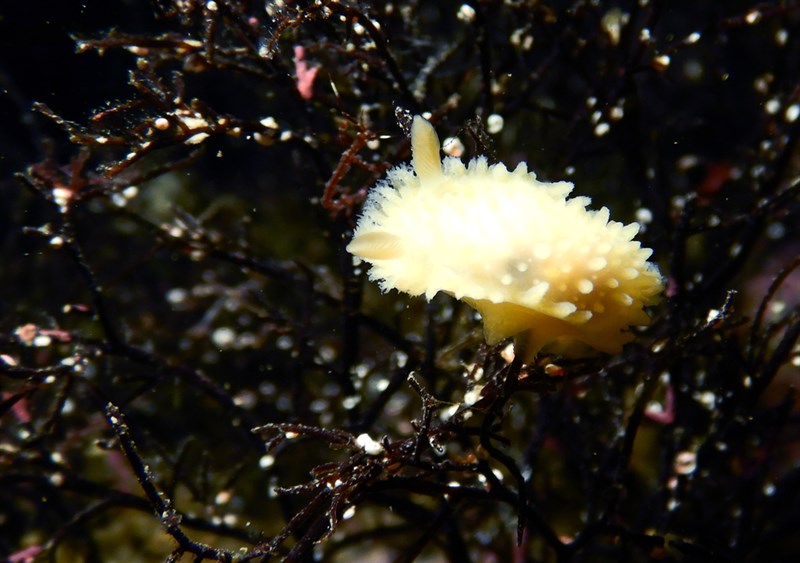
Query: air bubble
[601,129]
[494,123]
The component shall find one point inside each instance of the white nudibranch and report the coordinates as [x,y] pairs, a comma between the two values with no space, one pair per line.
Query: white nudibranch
[536,265]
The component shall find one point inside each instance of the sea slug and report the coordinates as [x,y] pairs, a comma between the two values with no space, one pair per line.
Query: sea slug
[537,266]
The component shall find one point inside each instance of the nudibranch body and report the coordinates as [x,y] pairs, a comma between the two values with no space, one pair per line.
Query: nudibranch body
[536,265]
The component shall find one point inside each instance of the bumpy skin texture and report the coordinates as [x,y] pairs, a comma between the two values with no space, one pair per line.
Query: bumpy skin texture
[536,265]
